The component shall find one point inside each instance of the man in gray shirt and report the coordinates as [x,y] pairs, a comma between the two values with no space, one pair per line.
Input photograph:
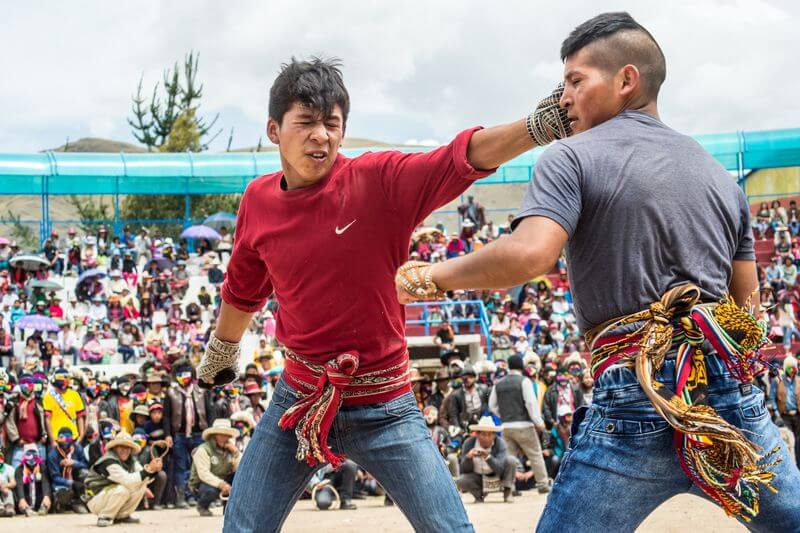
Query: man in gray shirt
[642,211]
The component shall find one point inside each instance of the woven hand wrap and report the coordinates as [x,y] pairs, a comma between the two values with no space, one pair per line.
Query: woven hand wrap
[220,356]
[715,455]
[322,389]
[415,278]
[549,120]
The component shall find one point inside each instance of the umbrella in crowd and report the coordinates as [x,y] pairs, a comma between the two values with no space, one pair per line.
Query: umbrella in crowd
[217,220]
[34,263]
[90,273]
[45,284]
[37,322]
[200,232]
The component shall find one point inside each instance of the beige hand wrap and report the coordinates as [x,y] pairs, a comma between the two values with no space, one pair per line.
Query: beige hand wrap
[220,362]
[415,278]
[549,120]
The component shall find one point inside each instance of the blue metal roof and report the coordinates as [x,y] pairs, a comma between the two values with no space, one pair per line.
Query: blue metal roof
[58,173]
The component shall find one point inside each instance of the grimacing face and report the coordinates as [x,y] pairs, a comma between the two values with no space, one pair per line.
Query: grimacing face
[308,143]
[591,94]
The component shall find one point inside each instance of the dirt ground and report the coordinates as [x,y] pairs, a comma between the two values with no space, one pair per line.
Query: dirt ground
[683,513]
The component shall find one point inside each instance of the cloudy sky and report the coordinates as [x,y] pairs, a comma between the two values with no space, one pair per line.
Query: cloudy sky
[415,70]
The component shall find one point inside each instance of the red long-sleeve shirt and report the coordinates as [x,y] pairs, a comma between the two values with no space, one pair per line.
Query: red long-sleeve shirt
[330,251]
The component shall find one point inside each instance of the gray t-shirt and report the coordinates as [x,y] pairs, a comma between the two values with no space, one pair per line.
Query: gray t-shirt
[646,209]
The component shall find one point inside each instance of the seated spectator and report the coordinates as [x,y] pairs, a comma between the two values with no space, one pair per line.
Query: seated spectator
[67,467]
[117,482]
[155,491]
[6,346]
[204,298]
[483,455]
[33,486]
[213,465]
[7,485]
[788,273]
[342,479]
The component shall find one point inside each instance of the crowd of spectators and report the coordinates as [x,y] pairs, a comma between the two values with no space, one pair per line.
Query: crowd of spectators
[99,405]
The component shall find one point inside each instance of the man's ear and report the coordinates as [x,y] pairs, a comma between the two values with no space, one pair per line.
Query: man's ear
[630,80]
[273,131]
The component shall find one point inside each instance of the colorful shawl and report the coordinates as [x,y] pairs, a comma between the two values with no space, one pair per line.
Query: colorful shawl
[714,454]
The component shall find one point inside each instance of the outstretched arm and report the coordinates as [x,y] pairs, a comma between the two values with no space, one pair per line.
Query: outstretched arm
[531,250]
[491,147]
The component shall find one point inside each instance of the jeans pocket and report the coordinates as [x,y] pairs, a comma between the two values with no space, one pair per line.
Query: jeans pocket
[401,406]
[754,410]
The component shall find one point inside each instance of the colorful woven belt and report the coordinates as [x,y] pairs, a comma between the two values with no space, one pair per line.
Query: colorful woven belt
[322,388]
[714,454]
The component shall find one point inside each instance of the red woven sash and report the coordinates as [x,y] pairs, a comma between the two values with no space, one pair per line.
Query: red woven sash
[322,388]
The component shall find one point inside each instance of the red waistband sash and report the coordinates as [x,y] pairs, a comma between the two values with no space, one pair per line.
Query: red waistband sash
[323,389]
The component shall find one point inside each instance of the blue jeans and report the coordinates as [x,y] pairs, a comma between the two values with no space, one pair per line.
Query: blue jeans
[621,463]
[182,456]
[389,440]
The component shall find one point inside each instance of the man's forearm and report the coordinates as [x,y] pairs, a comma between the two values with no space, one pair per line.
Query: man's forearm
[232,323]
[504,263]
[491,147]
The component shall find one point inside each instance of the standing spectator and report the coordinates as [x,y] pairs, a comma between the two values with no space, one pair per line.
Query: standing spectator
[63,407]
[213,464]
[189,405]
[565,392]
[470,401]
[785,398]
[25,425]
[485,454]
[117,483]
[513,401]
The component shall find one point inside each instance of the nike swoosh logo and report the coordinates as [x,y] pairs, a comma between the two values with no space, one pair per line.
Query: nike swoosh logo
[340,231]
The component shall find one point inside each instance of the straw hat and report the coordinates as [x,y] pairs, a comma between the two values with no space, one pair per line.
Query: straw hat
[140,409]
[486,423]
[221,426]
[123,438]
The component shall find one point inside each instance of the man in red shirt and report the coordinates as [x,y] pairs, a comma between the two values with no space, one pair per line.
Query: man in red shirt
[326,235]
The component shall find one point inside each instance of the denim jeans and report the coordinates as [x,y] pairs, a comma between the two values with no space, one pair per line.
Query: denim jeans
[389,440]
[182,455]
[621,463]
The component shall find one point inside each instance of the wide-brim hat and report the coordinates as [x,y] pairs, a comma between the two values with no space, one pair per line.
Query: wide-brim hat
[486,423]
[446,355]
[140,409]
[221,426]
[123,438]
[154,377]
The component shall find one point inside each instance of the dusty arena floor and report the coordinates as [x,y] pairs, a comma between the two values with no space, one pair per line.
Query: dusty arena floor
[677,515]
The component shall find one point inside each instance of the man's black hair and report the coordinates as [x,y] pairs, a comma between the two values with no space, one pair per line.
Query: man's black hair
[316,83]
[621,41]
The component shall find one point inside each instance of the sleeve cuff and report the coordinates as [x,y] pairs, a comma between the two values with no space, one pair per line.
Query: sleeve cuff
[553,215]
[246,306]
[463,167]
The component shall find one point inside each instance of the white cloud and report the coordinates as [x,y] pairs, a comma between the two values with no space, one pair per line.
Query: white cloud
[414,69]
